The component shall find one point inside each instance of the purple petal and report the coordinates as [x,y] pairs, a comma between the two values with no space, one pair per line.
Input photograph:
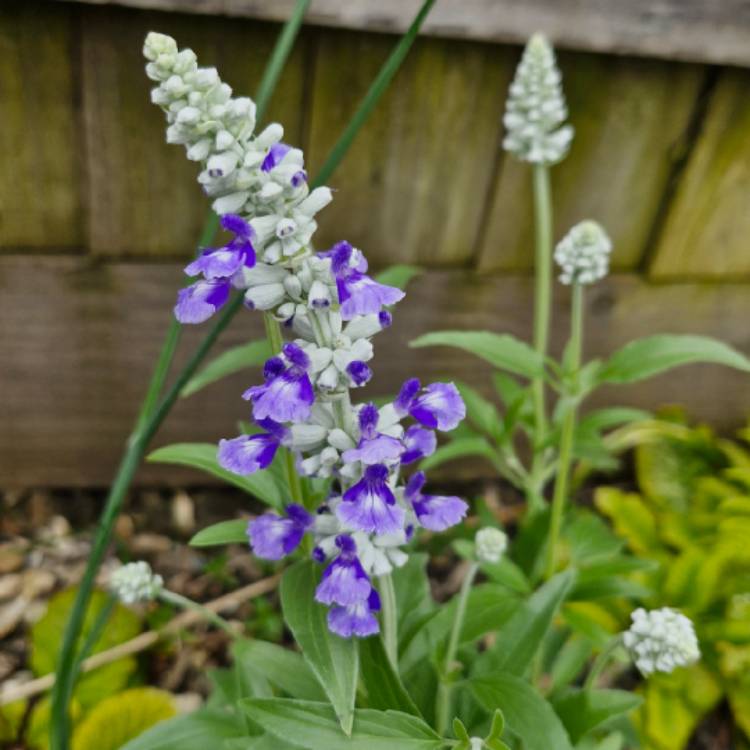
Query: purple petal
[356,620]
[217,264]
[414,485]
[438,512]
[296,356]
[418,443]
[365,296]
[359,372]
[406,395]
[374,450]
[370,505]
[344,582]
[368,420]
[439,406]
[248,453]
[272,537]
[237,225]
[287,398]
[274,156]
[197,303]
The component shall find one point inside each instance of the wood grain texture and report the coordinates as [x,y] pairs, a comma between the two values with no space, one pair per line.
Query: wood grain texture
[630,117]
[706,232]
[716,31]
[414,183]
[75,367]
[139,184]
[40,178]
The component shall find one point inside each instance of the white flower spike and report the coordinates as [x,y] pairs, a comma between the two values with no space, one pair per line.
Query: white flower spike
[583,254]
[135,582]
[661,640]
[490,544]
[535,112]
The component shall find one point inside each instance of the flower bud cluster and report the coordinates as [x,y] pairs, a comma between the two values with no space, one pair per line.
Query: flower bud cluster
[583,254]
[135,582]
[332,308]
[490,544]
[536,111]
[661,640]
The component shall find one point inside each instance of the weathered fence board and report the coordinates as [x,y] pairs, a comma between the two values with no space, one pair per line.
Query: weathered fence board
[75,367]
[401,192]
[716,31]
[39,133]
[707,231]
[630,117]
[143,197]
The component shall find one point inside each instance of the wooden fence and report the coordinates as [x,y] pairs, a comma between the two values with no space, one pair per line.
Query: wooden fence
[98,213]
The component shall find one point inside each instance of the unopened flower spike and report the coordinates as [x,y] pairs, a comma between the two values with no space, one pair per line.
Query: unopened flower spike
[490,544]
[332,309]
[583,254]
[136,582]
[661,640]
[535,111]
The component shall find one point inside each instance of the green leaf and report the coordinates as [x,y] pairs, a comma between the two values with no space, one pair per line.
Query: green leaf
[285,669]
[197,731]
[123,624]
[384,687]
[314,726]
[224,532]
[122,717]
[462,447]
[650,356]
[583,710]
[500,350]
[399,275]
[604,419]
[481,412]
[233,360]
[526,713]
[333,660]
[520,637]
[203,456]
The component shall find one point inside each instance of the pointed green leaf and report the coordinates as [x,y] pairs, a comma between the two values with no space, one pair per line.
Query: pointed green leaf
[314,726]
[233,360]
[650,356]
[399,275]
[197,731]
[224,532]
[481,412]
[202,456]
[527,714]
[384,687]
[583,710]
[500,350]
[333,660]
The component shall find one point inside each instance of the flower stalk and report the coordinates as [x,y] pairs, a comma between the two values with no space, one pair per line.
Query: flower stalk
[390,619]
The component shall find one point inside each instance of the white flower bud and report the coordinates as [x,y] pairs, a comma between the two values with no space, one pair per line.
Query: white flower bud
[229,204]
[536,110]
[158,44]
[265,296]
[293,286]
[318,199]
[221,165]
[306,437]
[319,296]
[661,640]
[583,254]
[135,582]
[490,544]
[340,440]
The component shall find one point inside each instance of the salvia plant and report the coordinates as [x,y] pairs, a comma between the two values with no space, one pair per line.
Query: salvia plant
[515,658]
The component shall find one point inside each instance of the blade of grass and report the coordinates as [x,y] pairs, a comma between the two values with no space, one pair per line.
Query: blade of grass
[146,429]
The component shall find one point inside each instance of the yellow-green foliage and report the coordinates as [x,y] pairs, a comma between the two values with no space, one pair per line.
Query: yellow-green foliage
[692,516]
[120,718]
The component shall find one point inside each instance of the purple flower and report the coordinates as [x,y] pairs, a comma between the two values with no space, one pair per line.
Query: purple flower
[370,505]
[287,394]
[359,372]
[272,536]
[198,302]
[247,454]
[344,581]
[439,405]
[274,156]
[418,443]
[223,262]
[358,293]
[373,446]
[434,512]
[356,619]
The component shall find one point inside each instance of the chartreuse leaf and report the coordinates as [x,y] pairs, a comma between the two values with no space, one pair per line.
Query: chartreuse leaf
[224,532]
[122,625]
[520,637]
[233,360]
[196,731]
[333,660]
[384,687]
[399,275]
[583,710]
[285,669]
[314,726]
[650,356]
[527,714]
[203,456]
[500,350]
[121,718]
[632,519]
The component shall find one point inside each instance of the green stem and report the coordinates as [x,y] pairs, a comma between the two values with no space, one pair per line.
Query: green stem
[443,697]
[184,603]
[568,428]
[390,619]
[273,332]
[601,662]
[542,301]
